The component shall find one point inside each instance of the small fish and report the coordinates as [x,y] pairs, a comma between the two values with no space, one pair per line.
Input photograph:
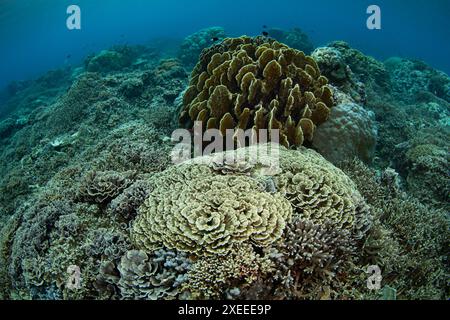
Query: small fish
[215,39]
[264,27]
[68,56]
[265,33]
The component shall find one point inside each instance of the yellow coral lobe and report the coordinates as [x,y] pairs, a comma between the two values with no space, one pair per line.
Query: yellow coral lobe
[220,101]
[227,122]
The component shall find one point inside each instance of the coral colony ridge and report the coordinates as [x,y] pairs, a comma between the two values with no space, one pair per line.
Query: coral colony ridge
[351,203]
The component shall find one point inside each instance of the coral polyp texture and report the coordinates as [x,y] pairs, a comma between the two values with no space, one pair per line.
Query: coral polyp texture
[258,83]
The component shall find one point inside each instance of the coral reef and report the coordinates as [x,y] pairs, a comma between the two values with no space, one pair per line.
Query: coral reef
[114,59]
[91,206]
[409,241]
[294,38]
[411,78]
[193,45]
[261,84]
[413,139]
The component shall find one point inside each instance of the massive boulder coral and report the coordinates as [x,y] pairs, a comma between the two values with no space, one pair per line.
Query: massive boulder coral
[350,132]
[333,65]
[366,69]
[258,83]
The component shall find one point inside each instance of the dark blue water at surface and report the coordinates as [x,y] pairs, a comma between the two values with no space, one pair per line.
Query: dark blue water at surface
[34,37]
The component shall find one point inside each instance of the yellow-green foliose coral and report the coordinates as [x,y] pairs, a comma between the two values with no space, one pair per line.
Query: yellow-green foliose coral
[196,209]
[320,192]
[258,83]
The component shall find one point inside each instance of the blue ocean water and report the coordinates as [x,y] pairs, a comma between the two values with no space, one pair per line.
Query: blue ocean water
[34,37]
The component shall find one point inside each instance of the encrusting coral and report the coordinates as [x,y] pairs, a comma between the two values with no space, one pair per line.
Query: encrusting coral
[258,83]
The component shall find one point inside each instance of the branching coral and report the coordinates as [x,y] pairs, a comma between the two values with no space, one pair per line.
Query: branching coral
[312,257]
[211,276]
[258,83]
[409,241]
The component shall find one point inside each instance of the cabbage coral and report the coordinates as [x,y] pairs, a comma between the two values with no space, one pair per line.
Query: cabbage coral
[193,208]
